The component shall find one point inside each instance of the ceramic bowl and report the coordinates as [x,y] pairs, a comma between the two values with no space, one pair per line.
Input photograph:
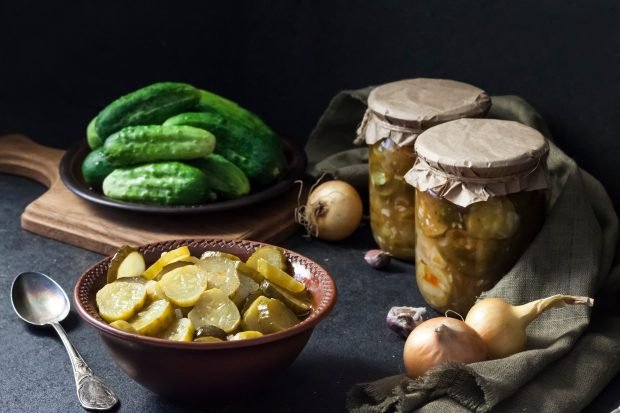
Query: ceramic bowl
[189,371]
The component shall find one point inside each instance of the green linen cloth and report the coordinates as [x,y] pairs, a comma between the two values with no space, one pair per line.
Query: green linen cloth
[573,352]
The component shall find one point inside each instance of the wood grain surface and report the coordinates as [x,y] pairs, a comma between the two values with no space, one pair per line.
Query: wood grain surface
[61,215]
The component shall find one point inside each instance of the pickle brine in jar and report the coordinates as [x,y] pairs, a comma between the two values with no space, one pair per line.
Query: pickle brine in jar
[480,198]
[397,113]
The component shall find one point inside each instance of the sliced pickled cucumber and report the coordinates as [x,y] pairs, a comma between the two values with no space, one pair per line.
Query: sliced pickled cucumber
[180,330]
[495,218]
[169,300]
[173,266]
[138,280]
[246,287]
[132,266]
[208,254]
[120,300]
[126,262]
[221,273]
[208,339]
[276,317]
[167,258]
[273,255]
[300,303]
[279,277]
[154,291]
[249,300]
[268,315]
[252,313]
[215,308]
[210,331]
[155,318]
[248,271]
[378,180]
[183,285]
[472,256]
[435,216]
[458,248]
[123,326]
[245,335]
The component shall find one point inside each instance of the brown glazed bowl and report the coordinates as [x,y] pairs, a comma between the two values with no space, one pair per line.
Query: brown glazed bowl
[188,371]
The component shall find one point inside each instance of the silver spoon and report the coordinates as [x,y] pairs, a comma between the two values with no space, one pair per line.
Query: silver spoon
[39,300]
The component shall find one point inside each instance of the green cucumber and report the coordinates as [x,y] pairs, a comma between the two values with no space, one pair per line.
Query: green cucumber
[258,155]
[92,138]
[225,178]
[151,143]
[150,105]
[161,183]
[210,102]
[96,166]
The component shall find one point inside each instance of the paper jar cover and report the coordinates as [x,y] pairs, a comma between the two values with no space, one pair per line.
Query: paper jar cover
[402,110]
[470,160]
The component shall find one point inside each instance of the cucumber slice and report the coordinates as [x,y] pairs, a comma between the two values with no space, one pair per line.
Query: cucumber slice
[155,318]
[126,262]
[221,273]
[279,277]
[167,258]
[300,304]
[273,255]
[123,326]
[183,285]
[215,308]
[180,330]
[244,335]
[120,300]
[268,315]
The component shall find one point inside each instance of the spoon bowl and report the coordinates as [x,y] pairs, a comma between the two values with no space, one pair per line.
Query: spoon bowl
[40,301]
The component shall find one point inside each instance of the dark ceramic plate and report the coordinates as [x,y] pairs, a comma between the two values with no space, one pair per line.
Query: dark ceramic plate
[71,174]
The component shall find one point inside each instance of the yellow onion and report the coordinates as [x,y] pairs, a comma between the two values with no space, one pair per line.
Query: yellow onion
[502,326]
[438,340]
[333,211]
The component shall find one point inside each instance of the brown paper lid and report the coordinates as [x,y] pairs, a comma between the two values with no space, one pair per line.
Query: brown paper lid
[471,160]
[402,110]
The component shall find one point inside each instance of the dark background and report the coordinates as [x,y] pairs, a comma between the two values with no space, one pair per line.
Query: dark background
[61,62]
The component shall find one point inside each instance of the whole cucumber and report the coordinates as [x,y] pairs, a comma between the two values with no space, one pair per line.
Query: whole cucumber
[211,102]
[151,143]
[258,155]
[225,178]
[92,138]
[150,105]
[162,183]
[96,166]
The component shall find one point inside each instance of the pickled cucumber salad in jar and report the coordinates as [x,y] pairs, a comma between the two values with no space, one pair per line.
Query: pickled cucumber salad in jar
[397,113]
[480,198]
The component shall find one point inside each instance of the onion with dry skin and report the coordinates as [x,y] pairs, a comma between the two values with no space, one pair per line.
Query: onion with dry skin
[333,211]
[502,326]
[438,340]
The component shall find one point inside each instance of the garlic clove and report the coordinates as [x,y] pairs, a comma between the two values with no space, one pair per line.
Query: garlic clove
[403,320]
[377,259]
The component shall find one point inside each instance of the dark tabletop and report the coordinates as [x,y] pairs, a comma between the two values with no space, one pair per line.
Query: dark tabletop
[352,345]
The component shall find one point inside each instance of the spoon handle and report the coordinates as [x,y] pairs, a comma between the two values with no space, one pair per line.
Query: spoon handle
[92,392]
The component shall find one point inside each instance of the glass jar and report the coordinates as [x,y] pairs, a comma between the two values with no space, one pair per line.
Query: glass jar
[391,198]
[480,199]
[397,113]
[463,251]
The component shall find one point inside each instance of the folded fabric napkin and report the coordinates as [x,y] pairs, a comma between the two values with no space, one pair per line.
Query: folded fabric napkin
[573,352]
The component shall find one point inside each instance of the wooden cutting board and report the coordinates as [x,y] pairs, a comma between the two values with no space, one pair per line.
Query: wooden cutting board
[61,215]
